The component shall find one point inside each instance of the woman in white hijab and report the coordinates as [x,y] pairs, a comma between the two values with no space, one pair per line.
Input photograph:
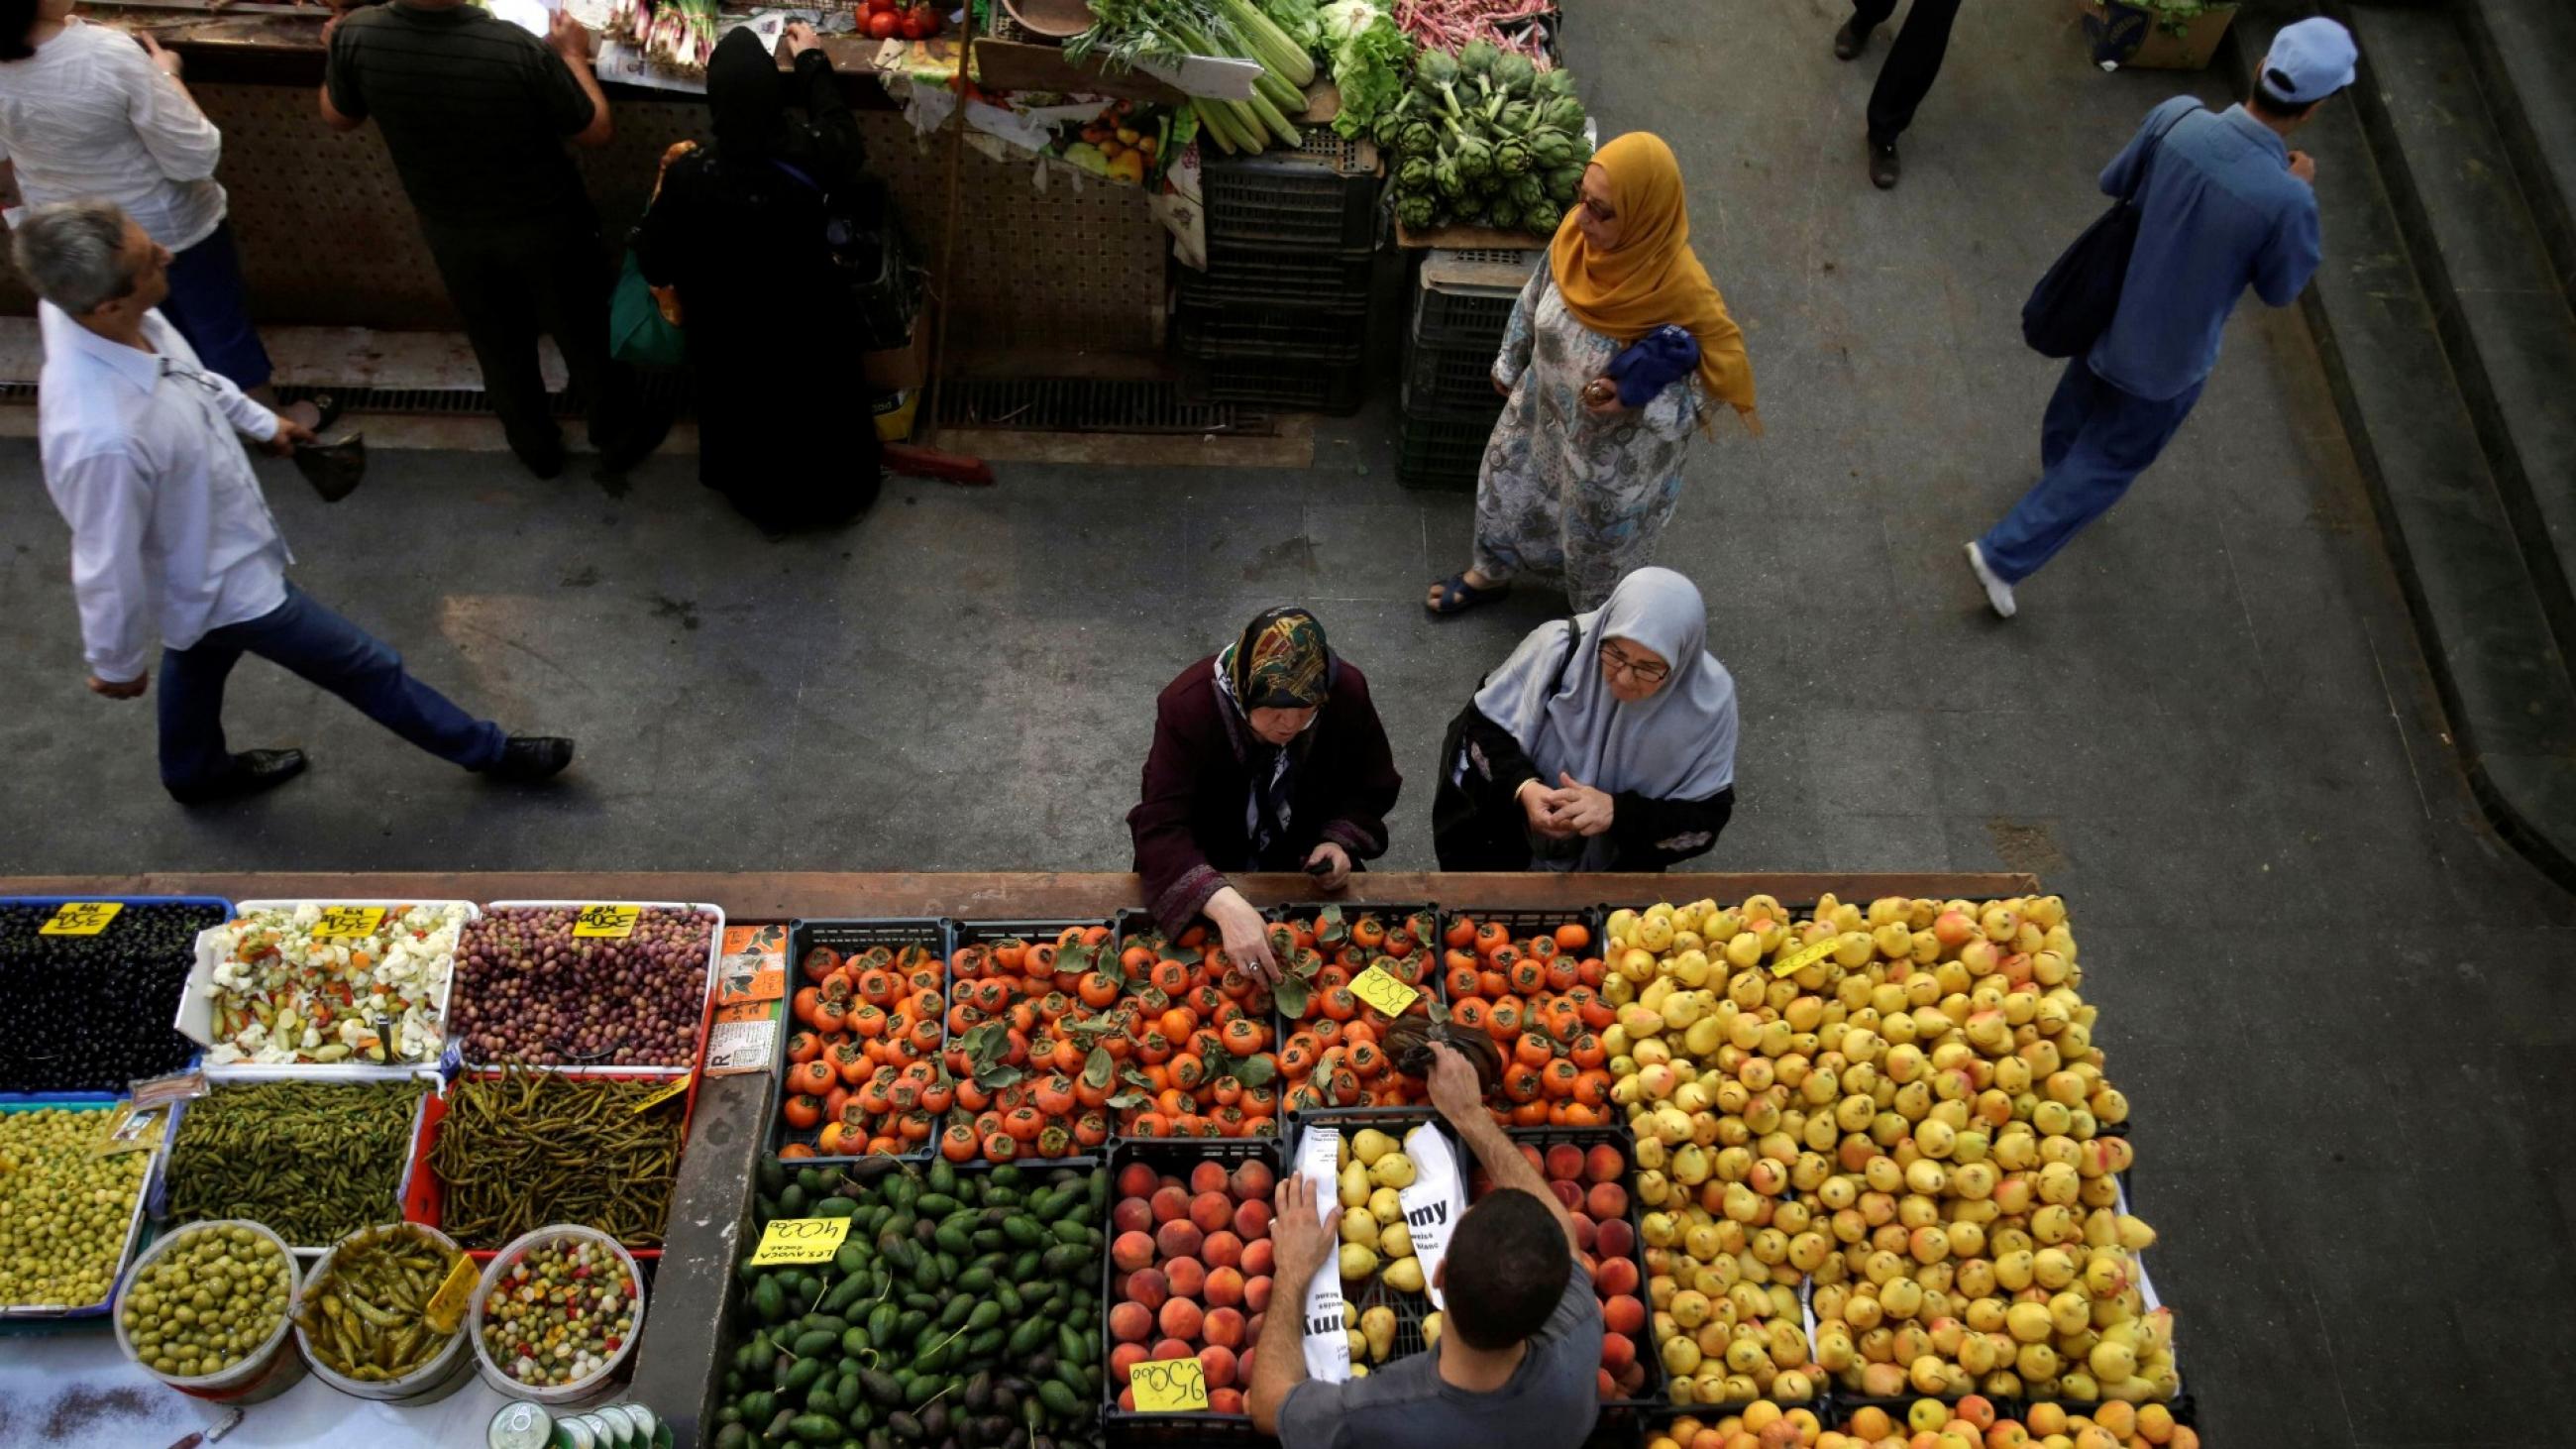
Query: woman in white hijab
[1606,742]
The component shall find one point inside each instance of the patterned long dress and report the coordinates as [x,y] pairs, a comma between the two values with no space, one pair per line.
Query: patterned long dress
[1564,494]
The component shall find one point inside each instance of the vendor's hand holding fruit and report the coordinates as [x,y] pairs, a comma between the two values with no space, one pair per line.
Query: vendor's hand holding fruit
[801,38]
[1337,866]
[1247,936]
[1454,1088]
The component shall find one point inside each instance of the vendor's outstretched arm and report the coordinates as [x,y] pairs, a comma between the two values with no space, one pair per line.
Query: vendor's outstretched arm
[1303,1246]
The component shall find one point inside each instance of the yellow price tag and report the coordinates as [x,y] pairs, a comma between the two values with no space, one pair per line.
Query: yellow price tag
[617,922]
[1172,1385]
[1383,991]
[80,918]
[348,921]
[667,1093]
[447,1306]
[1791,965]
[800,1240]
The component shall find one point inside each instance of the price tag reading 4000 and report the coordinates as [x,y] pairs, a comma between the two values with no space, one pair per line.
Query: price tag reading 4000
[1383,991]
[80,918]
[800,1240]
[1168,1386]
[612,921]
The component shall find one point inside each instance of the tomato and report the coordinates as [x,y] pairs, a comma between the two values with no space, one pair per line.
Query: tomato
[882,24]
[883,7]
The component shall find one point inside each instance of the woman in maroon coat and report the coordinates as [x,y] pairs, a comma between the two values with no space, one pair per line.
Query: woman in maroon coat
[1267,756]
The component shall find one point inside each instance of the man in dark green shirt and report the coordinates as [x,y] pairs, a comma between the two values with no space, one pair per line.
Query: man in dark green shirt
[474,111]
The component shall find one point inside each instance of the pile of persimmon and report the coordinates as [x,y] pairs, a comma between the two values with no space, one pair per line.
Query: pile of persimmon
[863,1072]
[1191,1038]
[1538,997]
[1024,1035]
[1334,1054]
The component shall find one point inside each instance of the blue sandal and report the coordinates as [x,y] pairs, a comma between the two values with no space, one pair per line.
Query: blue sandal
[1457,596]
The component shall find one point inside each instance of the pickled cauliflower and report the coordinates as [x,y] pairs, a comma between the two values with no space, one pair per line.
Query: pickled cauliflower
[281,995]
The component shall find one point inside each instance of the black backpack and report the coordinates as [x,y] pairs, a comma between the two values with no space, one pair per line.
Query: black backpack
[2080,293]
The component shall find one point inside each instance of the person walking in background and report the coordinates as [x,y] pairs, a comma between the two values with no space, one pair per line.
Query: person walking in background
[1913,63]
[1606,742]
[760,191]
[86,110]
[474,111]
[2223,204]
[172,536]
[1619,346]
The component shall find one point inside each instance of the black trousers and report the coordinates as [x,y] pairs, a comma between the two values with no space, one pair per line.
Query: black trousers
[1912,62]
[511,284]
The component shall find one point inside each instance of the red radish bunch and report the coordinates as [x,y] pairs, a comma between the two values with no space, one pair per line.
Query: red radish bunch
[1191,1261]
[1587,1181]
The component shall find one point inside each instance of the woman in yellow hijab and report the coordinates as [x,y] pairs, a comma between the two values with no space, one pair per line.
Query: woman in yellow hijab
[1619,348]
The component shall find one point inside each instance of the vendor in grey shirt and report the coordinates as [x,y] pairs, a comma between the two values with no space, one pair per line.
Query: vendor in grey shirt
[1520,1345]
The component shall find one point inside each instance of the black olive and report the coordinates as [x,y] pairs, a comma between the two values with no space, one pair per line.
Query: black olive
[92,1013]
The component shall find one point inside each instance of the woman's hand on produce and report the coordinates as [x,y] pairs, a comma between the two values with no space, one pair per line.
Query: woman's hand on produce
[802,37]
[1337,861]
[1298,1235]
[568,38]
[1586,811]
[1454,1088]
[1247,936]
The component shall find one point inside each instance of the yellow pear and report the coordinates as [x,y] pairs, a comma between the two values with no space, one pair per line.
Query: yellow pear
[1359,1262]
[1394,1169]
[1358,1226]
[1377,1326]
[1395,1240]
[1385,1205]
[1405,1274]
[1371,1144]
[1354,1186]
[1431,1329]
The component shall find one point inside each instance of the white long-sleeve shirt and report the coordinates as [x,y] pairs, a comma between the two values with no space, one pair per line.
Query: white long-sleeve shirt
[170,532]
[89,114]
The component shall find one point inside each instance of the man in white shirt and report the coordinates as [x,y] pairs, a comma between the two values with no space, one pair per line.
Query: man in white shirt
[92,111]
[171,534]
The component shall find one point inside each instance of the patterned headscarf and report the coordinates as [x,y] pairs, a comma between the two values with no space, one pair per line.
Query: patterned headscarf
[1281,662]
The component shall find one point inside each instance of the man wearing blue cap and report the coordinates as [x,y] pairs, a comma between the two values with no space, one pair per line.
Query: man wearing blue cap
[2223,204]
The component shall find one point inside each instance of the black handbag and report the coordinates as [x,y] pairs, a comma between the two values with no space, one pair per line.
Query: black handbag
[1465,835]
[2080,292]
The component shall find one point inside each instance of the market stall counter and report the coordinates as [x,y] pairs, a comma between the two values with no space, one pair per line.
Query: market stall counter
[680,1361]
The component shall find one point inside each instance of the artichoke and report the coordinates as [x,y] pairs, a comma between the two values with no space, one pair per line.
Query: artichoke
[1446,180]
[1475,158]
[1478,58]
[1417,138]
[1435,79]
[1564,183]
[1514,74]
[1528,192]
[1511,158]
[1552,150]
[1564,113]
[1415,173]
[1552,85]
[1542,220]
[1515,117]
[1416,210]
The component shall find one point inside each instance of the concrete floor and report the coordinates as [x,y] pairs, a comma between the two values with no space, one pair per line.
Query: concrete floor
[2336,1000]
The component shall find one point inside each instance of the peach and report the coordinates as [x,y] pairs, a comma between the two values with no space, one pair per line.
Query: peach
[1224,1288]
[1224,1326]
[1608,1388]
[1607,1200]
[1221,1250]
[1586,1231]
[1253,1182]
[1252,1220]
[1170,1348]
[1623,1313]
[1130,1322]
[1256,1293]
[1216,1363]
[1251,1337]
[1564,1160]
[1170,1203]
[1187,1276]
[1210,1211]
[1228,1401]
[1616,1276]
[1132,1251]
[1180,1319]
[1208,1177]
[1615,1239]
[1137,1180]
[1147,1286]
[1259,1257]
[1122,1358]
[1604,1164]
[1568,1193]
[1618,1350]
[1532,1154]
[1132,1215]
[1179,1239]
[1127,1400]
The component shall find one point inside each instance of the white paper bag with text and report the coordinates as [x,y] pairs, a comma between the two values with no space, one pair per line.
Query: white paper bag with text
[1432,1204]
[1328,1346]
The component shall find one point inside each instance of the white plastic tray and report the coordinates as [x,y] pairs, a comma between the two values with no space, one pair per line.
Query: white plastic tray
[706,998]
[160,1195]
[196,1017]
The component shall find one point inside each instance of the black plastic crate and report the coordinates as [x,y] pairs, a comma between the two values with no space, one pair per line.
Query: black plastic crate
[1291,201]
[1410,1309]
[1463,319]
[1177,1157]
[1449,379]
[1443,450]
[1292,338]
[847,937]
[1268,277]
[1277,384]
[1650,1394]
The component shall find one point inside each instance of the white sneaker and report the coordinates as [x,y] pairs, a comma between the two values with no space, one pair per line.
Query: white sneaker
[1999,594]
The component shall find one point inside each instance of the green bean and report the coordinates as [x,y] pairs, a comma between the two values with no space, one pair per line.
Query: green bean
[526,1149]
[315,1161]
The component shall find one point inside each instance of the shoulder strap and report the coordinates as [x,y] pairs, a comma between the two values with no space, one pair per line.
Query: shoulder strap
[1573,646]
[2147,162]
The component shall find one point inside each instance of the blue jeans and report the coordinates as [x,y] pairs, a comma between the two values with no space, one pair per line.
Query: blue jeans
[2093,444]
[208,305]
[303,636]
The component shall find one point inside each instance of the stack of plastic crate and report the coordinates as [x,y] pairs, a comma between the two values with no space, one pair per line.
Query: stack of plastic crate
[1280,318]
[1460,309]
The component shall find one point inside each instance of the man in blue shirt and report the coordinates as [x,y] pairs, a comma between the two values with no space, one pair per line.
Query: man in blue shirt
[2223,204]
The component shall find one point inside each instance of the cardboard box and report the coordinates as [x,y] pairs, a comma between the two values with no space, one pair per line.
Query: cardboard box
[894,369]
[2121,33]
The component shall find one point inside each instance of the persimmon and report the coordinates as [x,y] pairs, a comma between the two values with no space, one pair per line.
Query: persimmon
[1023,1123]
[957,1142]
[1368,933]
[803,1047]
[1490,937]
[1521,1082]
[794,1151]
[1532,1050]
[1000,1147]
[1527,976]
[802,1004]
[1091,1129]
[1461,932]
[804,1112]
[1339,1004]
[1149,1124]
[834,1140]
[1503,1018]
[813,1078]
[851,1064]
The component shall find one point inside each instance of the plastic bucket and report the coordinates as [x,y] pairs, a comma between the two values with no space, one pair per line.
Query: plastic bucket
[434,1380]
[266,1371]
[580,1390]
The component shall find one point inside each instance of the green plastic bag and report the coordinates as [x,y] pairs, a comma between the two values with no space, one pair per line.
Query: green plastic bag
[638,333]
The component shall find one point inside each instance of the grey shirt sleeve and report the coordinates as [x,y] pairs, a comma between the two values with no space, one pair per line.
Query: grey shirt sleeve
[1313,1417]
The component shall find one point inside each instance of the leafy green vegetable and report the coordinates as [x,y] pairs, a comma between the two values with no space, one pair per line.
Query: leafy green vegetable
[1368,56]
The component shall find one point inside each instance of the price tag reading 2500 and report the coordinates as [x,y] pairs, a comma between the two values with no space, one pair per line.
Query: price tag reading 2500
[1380,989]
[80,918]
[800,1240]
[1168,1386]
[617,922]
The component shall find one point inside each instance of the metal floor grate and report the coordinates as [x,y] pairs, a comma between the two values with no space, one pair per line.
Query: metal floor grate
[1091,405]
